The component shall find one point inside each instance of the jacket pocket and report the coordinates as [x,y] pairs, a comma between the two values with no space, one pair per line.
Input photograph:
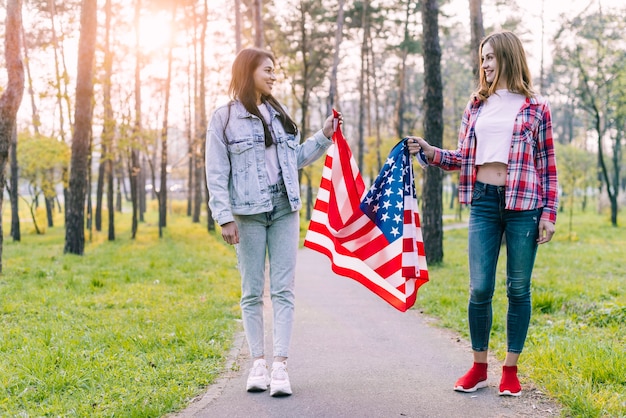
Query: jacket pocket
[243,170]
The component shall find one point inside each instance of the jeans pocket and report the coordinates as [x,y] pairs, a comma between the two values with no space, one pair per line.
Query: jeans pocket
[478,192]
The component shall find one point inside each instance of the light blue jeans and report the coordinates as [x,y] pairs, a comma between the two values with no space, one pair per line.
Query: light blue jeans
[488,221]
[273,234]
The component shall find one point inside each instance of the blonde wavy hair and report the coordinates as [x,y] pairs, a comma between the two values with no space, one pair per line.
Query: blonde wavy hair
[512,65]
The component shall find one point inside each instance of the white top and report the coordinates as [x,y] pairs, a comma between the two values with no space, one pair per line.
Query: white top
[494,126]
[271,153]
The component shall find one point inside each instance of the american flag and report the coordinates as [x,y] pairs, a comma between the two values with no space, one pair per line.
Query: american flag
[374,236]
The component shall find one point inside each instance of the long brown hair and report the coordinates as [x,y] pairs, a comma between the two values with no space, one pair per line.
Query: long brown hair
[512,64]
[242,88]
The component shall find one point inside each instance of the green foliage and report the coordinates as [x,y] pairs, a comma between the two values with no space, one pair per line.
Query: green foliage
[133,328]
[42,161]
[576,341]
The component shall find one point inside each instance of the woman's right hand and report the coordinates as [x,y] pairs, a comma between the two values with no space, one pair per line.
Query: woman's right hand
[230,233]
[429,150]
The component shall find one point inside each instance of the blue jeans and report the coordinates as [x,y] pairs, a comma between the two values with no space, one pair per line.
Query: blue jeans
[273,234]
[488,221]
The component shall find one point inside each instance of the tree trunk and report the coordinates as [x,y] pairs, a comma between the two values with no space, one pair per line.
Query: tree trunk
[362,91]
[200,192]
[332,91]
[133,162]
[237,26]
[16,233]
[163,189]
[477,34]
[36,121]
[432,225]
[11,97]
[57,69]
[377,121]
[75,217]
[400,104]
[258,23]
[108,127]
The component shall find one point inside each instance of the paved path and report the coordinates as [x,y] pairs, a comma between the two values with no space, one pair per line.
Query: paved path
[353,355]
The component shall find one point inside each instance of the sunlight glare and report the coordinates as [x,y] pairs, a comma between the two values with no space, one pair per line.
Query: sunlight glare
[155,31]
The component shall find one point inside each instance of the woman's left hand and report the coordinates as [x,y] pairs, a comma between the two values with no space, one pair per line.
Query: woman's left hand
[546,231]
[329,127]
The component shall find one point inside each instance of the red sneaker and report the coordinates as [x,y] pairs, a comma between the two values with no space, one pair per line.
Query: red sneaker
[473,380]
[509,385]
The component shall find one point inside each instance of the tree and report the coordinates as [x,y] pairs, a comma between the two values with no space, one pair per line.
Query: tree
[258,23]
[43,161]
[433,130]
[198,144]
[304,51]
[575,175]
[162,193]
[408,47]
[477,34]
[105,169]
[590,50]
[332,91]
[134,168]
[75,207]
[364,76]
[12,97]
[12,188]
[237,25]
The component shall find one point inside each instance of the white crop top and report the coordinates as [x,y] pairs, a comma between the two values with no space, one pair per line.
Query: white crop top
[494,126]
[271,153]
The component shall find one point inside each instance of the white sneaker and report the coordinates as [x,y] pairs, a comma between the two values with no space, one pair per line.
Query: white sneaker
[279,384]
[259,377]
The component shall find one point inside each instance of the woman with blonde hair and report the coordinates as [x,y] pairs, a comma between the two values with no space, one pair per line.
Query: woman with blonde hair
[508,175]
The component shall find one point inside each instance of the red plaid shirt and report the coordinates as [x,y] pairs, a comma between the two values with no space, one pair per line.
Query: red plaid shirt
[531,180]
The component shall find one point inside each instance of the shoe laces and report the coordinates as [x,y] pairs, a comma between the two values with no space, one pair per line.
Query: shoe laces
[259,368]
[279,371]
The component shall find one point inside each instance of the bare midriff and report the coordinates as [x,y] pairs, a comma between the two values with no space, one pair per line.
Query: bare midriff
[491,173]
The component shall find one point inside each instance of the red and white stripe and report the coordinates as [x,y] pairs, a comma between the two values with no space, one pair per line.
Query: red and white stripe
[355,245]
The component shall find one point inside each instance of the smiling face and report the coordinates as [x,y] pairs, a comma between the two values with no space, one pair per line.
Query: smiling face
[489,62]
[492,68]
[264,78]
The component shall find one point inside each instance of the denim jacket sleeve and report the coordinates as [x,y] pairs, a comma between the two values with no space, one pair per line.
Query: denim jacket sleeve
[217,167]
[312,149]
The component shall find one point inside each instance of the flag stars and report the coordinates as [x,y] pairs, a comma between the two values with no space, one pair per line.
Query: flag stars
[386,204]
[395,232]
[397,218]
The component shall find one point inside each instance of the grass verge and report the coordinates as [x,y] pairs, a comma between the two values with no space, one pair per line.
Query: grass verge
[137,328]
[133,328]
[576,346]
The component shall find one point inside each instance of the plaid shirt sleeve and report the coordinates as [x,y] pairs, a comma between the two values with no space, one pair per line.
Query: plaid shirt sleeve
[545,161]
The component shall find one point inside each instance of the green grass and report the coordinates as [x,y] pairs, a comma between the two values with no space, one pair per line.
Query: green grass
[136,328]
[133,328]
[576,346]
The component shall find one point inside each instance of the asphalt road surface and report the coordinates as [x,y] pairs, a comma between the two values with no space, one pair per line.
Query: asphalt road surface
[353,355]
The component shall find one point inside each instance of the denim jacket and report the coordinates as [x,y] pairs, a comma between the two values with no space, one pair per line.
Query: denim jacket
[235,162]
